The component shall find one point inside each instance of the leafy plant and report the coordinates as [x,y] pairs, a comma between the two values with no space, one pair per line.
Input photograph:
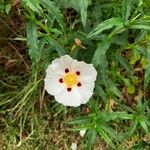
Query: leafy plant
[112,35]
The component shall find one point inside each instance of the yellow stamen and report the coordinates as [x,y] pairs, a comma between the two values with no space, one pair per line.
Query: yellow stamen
[70,79]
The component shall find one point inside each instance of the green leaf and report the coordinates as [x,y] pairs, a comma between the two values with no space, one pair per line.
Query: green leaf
[109,116]
[147,75]
[32,41]
[84,127]
[100,52]
[83,10]
[80,120]
[125,64]
[80,6]
[56,45]
[105,136]
[105,25]
[126,9]
[140,50]
[41,44]
[140,24]
[128,109]
[2,7]
[54,10]
[147,70]
[141,36]
[110,131]
[101,92]
[132,129]
[112,87]
[94,105]
[143,124]
[91,138]
[34,5]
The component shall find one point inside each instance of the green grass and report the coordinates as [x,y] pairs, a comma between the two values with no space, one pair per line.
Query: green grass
[115,38]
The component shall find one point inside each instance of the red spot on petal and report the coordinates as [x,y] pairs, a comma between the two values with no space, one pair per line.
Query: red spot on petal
[78,73]
[66,70]
[79,84]
[61,80]
[69,89]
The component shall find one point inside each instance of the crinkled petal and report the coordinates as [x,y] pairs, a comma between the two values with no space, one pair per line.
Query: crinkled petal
[86,90]
[71,98]
[87,71]
[78,95]
[60,64]
[52,84]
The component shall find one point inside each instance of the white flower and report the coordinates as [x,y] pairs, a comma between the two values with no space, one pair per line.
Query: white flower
[82,133]
[70,81]
[73,146]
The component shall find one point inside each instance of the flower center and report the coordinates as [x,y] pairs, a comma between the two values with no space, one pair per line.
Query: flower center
[70,79]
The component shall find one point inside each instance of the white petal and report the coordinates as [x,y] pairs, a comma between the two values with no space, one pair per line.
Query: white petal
[60,64]
[52,84]
[71,98]
[86,90]
[78,95]
[87,70]
[82,133]
[73,146]
[87,78]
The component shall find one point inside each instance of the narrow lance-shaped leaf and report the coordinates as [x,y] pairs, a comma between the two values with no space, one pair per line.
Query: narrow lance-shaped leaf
[81,120]
[110,131]
[140,50]
[100,52]
[83,127]
[33,5]
[125,64]
[105,25]
[126,9]
[56,45]
[100,59]
[32,41]
[113,88]
[91,138]
[83,10]
[140,24]
[142,121]
[147,75]
[132,129]
[110,116]
[105,136]
[54,10]
[147,71]
[101,92]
